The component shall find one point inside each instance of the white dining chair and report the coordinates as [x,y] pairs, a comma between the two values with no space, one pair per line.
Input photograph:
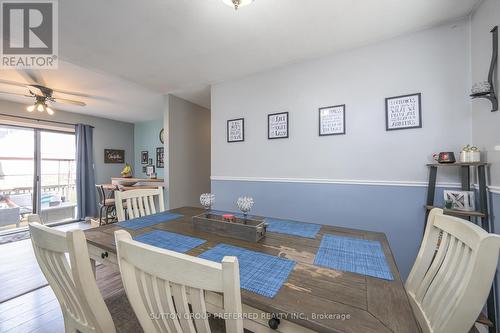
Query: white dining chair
[167,289]
[73,282]
[140,202]
[452,275]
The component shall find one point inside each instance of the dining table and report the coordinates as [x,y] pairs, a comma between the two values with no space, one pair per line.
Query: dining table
[313,298]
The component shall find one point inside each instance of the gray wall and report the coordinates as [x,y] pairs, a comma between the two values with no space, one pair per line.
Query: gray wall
[107,134]
[188,152]
[433,62]
[369,178]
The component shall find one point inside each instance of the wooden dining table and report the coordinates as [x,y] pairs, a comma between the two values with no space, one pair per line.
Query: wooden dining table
[313,299]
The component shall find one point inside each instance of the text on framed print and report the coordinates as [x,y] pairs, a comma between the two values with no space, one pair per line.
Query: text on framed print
[402,112]
[332,120]
[277,125]
[236,130]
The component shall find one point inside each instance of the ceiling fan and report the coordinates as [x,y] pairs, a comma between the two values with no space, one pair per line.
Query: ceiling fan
[42,96]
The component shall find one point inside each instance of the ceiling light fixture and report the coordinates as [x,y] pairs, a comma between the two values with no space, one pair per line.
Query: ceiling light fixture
[237,3]
[41,106]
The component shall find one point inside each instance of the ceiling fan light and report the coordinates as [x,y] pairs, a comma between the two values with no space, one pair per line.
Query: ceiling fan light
[40,107]
[49,111]
[236,4]
[30,108]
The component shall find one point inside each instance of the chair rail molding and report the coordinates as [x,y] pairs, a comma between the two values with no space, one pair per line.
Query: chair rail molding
[335,181]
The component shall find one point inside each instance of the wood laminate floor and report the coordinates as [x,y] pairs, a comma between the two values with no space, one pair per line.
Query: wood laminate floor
[27,304]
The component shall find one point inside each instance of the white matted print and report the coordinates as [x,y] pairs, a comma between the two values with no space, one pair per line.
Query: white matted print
[460,200]
[236,130]
[332,120]
[403,112]
[277,125]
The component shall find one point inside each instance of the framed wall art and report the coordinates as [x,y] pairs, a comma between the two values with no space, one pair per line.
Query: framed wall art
[460,200]
[114,156]
[150,170]
[236,130]
[403,112]
[144,157]
[332,120]
[160,158]
[277,125]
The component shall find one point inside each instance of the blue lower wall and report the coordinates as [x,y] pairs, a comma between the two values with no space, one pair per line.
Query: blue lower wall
[398,211]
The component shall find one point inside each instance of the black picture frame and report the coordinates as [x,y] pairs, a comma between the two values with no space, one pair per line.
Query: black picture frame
[242,130]
[150,161]
[419,125]
[144,169]
[144,157]
[343,120]
[114,156]
[287,126]
[160,158]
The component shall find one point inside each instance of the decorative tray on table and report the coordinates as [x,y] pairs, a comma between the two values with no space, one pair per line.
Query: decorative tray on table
[247,229]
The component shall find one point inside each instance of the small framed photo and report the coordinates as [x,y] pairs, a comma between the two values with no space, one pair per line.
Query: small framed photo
[332,120]
[460,200]
[277,125]
[144,169]
[144,157]
[150,169]
[403,112]
[236,130]
[150,161]
[160,157]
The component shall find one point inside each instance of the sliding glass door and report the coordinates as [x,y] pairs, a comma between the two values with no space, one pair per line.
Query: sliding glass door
[57,177]
[37,175]
[17,172]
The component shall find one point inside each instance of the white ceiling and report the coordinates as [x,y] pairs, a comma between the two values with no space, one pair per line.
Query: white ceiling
[183,46]
[105,95]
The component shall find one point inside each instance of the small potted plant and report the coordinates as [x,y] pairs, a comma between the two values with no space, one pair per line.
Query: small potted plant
[470,154]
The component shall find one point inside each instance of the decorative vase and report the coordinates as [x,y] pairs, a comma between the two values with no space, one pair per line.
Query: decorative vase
[464,156]
[474,156]
[245,204]
[207,200]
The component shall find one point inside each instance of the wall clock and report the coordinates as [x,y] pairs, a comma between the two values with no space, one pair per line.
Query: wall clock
[162,136]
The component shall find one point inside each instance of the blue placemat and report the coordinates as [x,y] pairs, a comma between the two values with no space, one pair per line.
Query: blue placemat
[308,230]
[260,273]
[169,240]
[353,255]
[147,221]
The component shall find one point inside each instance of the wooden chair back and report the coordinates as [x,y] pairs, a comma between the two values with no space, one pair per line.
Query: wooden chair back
[140,202]
[452,275]
[167,289]
[101,194]
[72,281]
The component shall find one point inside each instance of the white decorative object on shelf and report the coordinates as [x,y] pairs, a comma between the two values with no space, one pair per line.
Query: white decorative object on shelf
[481,87]
[460,200]
[470,154]
[245,204]
[207,200]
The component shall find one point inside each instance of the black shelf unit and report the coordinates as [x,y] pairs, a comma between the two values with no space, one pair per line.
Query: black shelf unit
[480,216]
